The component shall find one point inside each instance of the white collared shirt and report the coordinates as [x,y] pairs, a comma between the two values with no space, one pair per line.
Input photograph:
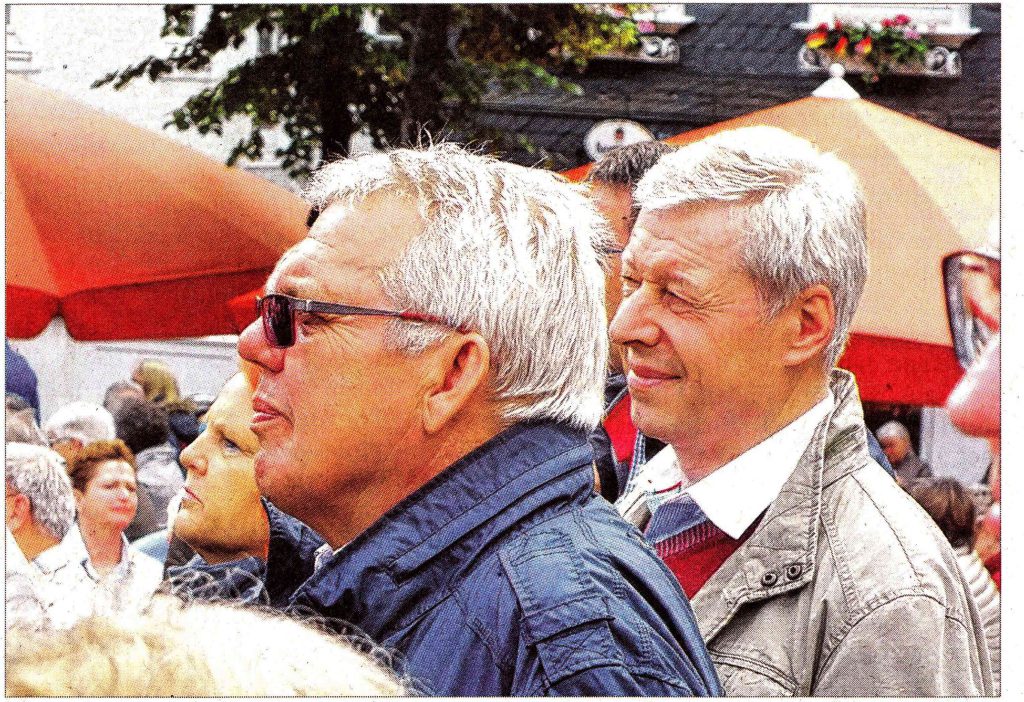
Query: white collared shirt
[74,589]
[734,495]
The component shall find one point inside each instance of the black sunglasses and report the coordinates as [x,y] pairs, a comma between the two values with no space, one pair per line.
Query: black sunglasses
[278,315]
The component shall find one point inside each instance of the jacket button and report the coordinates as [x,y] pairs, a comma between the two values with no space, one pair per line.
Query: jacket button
[793,571]
[769,578]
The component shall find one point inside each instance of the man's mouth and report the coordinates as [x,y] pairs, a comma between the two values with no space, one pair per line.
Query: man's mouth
[642,377]
[188,495]
[264,413]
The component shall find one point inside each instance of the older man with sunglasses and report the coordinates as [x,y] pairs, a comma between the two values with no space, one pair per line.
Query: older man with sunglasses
[433,357]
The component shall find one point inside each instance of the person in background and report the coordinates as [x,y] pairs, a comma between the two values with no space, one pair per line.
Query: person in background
[953,509]
[20,379]
[118,390]
[103,571]
[812,573]
[973,285]
[76,424]
[40,510]
[20,422]
[143,426]
[194,650]
[895,441]
[612,180]
[40,506]
[424,403]
[221,515]
[160,386]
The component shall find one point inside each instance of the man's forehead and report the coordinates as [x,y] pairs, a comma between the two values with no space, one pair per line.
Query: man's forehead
[674,240]
[297,271]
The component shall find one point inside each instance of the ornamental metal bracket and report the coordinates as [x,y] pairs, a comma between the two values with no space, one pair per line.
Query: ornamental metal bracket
[651,49]
[939,62]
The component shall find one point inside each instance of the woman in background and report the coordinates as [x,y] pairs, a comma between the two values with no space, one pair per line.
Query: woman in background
[160,386]
[103,572]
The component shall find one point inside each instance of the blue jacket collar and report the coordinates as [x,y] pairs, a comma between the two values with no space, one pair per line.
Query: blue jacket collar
[402,564]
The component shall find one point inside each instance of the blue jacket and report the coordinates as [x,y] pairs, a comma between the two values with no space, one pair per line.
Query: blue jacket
[21,379]
[507,575]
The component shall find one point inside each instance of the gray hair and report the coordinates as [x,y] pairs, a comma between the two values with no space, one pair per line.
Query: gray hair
[39,474]
[509,252]
[803,213]
[118,390]
[82,421]
[20,426]
[892,430]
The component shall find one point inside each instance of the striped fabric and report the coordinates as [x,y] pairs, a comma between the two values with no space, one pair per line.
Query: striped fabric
[691,538]
[986,596]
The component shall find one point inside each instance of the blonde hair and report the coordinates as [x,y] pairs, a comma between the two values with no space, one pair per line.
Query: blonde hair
[160,386]
[194,650]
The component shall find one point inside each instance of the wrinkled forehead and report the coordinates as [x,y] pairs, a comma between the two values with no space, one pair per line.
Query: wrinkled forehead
[666,243]
[348,246]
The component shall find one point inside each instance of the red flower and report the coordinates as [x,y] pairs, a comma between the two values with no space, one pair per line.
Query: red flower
[888,23]
[823,27]
[863,47]
[838,25]
[816,39]
[901,20]
[841,46]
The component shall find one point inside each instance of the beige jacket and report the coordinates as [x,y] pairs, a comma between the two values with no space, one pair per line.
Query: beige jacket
[846,587]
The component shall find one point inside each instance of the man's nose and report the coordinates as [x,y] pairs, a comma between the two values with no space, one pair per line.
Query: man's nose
[253,347]
[190,459]
[633,322]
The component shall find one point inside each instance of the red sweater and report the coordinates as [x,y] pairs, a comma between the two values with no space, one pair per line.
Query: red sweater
[696,564]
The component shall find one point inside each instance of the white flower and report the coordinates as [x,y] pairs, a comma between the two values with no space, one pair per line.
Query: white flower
[876,26]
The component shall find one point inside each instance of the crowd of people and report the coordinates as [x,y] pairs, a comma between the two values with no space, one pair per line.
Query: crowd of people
[497,434]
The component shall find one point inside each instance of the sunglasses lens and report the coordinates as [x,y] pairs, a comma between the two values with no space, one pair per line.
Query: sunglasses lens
[972,297]
[277,321]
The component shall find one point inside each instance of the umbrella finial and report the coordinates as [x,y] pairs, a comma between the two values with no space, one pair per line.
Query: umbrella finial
[836,87]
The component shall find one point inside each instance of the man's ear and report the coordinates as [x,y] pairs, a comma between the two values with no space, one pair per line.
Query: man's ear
[464,362]
[813,316]
[19,512]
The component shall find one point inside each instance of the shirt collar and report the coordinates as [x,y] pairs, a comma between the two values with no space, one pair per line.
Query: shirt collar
[734,496]
[77,554]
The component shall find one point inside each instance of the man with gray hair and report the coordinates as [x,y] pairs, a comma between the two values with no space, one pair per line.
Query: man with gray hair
[76,424]
[811,572]
[908,466]
[424,404]
[40,504]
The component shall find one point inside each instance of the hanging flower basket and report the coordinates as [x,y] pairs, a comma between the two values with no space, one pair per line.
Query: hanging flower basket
[889,46]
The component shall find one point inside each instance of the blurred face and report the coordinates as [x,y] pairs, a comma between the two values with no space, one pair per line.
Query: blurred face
[221,514]
[109,500]
[615,203]
[337,412]
[895,448]
[701,361]
[974,405]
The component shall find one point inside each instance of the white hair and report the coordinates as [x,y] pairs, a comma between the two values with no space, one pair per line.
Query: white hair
[82,421]
[40,474]
[802,213]
[893,430]
[194,650]
[512,253]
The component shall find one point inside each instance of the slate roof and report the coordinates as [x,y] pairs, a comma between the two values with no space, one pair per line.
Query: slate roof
[735,59]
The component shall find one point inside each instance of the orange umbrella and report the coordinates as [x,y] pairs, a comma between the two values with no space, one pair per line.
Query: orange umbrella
[125,233]
[928,192]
